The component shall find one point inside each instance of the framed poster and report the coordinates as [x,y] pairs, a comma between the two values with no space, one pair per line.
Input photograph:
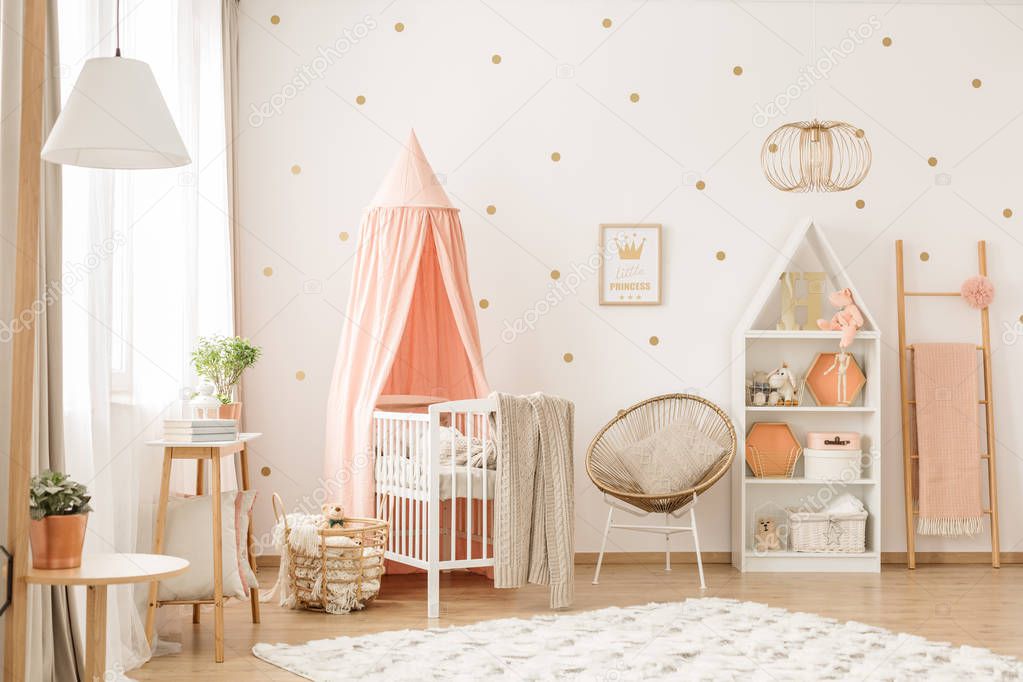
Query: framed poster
[630,270]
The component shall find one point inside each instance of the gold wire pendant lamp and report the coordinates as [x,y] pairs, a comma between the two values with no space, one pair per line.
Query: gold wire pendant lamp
[816,156]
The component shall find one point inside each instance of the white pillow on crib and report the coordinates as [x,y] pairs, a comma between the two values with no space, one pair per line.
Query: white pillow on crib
[189,534]
[673,459]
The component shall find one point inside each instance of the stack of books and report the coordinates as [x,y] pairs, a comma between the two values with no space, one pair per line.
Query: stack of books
[200,430]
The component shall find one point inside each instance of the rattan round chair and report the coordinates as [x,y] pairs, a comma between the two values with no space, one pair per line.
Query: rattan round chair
[609,474]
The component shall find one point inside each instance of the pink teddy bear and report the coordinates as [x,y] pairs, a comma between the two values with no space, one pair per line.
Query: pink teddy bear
[847,320]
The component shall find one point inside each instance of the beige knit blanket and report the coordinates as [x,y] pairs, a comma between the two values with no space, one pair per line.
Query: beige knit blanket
[948,436]
[534,519]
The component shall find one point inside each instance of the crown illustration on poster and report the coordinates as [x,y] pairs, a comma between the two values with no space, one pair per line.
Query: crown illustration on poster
[630,249]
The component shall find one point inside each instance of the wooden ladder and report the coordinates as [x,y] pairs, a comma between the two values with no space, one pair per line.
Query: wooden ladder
[987,403]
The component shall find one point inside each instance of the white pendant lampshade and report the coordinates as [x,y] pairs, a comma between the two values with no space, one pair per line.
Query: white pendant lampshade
[116,117]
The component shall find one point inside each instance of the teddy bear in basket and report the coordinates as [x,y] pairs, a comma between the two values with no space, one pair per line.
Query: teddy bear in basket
[333,516]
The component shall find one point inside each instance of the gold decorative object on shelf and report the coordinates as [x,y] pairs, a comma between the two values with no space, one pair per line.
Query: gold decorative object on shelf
[816,156]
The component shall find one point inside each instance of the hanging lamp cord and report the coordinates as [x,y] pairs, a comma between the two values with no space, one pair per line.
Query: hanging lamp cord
[813,50]
[117,25]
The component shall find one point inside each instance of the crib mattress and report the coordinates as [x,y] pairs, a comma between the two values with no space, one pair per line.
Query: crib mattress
[463,474]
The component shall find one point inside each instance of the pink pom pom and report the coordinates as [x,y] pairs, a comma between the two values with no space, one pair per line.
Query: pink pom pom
[978,292]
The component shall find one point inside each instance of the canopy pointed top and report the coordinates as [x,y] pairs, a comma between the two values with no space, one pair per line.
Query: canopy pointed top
[411,181]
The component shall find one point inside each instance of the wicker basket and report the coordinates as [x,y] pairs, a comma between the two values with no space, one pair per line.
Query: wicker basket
[344,572]
[823,532]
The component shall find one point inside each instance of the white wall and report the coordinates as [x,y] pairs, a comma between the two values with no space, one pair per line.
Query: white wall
[490,130]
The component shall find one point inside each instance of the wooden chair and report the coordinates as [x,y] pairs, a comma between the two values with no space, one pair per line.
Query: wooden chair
[609,474]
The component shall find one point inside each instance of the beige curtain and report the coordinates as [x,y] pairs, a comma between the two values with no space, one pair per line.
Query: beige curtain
[55,651]
[229,32]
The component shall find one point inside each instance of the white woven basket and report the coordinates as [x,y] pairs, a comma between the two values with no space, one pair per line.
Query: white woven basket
[822,532]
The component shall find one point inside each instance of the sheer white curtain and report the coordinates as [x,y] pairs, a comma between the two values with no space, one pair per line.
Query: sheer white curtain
[147,269]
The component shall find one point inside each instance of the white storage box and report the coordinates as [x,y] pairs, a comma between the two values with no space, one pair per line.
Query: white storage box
[823,532]
[832,465]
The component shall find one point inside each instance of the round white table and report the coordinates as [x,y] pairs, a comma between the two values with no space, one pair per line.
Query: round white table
[97,572]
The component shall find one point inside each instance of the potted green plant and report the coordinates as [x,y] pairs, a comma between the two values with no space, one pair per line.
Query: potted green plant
[222,359]
[60,510]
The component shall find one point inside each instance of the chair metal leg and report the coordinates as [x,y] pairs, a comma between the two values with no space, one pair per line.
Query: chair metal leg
[603,546]
[667,544]
[696,544]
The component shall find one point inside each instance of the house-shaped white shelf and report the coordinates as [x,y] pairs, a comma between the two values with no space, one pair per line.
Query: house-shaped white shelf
[764,339]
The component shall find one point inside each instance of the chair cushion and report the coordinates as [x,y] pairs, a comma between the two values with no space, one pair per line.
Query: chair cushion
[673,459]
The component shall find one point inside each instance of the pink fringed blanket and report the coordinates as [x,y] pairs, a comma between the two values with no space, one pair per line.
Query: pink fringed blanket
[948,434]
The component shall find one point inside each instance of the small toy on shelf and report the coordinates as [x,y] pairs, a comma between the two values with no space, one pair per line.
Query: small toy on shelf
[784,382]
[766,537]
[333,516]
[848,320]
[779,388]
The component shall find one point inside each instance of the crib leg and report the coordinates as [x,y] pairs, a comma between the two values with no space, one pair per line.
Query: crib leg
[433,592]
[696,544]
[603,546]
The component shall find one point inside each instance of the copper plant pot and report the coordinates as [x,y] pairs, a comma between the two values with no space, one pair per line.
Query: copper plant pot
[231,411]
[57,541]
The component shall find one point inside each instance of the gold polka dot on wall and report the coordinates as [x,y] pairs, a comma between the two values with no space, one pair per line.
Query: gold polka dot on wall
[265,471]
[568,357]
[933,161]
[268,271]
[772,147]
[654,340]
[556,156]
[343,236]
[924,256]
[860,203]
[737,70]
[976,82]
[300,375]
[491,209]
[484,303]
[274,19]
[886,41]
[296,169]
[1007,213]
[399,27]
[720,255]
[360,100]
[700,184]
[496,59]
[606,23]
[634,97]
[555,274]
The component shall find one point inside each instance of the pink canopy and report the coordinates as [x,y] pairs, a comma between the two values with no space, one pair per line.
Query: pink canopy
[411,325]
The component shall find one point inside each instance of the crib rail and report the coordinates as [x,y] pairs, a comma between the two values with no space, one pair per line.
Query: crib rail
[439,505]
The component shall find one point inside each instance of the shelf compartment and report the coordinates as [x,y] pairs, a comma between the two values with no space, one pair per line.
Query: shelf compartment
[851,409]
[805,334]
[805,481]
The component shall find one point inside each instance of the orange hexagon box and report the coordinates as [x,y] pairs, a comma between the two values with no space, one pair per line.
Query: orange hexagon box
[823,380]
[772,450]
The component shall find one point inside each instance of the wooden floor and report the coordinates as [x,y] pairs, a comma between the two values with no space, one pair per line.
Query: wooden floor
[963,604]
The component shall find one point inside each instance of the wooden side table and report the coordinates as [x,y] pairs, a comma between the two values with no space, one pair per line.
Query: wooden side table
[97,572]
[200,452]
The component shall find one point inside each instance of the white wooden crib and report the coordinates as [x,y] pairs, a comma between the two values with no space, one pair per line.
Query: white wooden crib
[440,511]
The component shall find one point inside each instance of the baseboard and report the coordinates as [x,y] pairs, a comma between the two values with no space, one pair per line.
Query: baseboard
[268,561]
[653,558]
[657,558]
[589,558]
[951,558]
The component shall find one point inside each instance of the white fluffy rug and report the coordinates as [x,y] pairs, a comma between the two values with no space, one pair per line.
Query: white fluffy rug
[699,639]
